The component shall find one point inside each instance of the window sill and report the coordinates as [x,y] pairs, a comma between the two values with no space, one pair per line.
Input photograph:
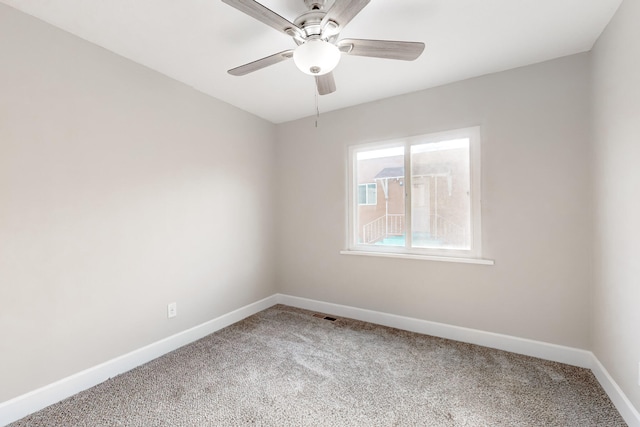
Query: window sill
[420,257]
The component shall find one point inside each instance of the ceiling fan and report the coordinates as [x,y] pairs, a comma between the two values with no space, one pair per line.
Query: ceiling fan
[316,33]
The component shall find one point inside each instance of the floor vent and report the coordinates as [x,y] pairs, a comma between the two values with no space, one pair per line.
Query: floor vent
[322,316]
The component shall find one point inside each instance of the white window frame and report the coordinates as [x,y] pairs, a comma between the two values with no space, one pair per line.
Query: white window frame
[473,255]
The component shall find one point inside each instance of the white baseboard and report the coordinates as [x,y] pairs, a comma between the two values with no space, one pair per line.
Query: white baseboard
[556,353]
[615,393]
[542,350]
[35,400]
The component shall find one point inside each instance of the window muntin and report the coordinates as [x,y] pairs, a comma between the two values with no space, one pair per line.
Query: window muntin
[434,209]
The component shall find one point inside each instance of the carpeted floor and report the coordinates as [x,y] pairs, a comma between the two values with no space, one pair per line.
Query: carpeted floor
[285,367]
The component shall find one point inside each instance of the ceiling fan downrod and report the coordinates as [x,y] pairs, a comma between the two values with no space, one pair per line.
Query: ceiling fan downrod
[315,4]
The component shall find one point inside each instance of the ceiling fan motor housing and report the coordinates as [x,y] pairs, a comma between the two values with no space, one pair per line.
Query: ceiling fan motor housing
[311,24]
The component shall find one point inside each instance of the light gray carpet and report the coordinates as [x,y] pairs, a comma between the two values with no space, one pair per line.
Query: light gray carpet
[285,367]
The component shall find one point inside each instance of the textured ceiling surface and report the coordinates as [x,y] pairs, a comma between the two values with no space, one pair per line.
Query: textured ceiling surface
[197,41]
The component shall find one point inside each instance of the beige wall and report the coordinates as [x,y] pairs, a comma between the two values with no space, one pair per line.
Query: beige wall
[616,112]
[536,206]
[120,191]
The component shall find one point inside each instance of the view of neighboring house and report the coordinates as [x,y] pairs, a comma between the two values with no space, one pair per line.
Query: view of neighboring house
[440,195]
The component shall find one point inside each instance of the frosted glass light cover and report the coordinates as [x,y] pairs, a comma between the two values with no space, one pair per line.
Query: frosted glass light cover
[316,57]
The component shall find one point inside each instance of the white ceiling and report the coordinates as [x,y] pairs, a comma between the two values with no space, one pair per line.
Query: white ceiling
[196,41]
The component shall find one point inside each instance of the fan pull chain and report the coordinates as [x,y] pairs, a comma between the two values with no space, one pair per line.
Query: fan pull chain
[317,108]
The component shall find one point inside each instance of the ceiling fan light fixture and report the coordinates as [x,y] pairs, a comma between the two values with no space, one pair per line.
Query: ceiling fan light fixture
[316,57]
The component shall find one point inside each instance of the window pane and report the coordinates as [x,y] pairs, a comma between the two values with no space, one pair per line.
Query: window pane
[372,198]
[362,194]
[440,195]
[381,222]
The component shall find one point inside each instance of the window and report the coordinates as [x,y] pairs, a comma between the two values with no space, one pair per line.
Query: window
[367,194]
[429,188]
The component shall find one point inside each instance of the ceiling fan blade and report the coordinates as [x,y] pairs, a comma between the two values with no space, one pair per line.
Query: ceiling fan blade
[266,16]
[388,49]
[326,84]
[261,63]
[343,11]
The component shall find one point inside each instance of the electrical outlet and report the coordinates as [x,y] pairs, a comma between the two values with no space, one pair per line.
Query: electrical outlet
[172,310]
